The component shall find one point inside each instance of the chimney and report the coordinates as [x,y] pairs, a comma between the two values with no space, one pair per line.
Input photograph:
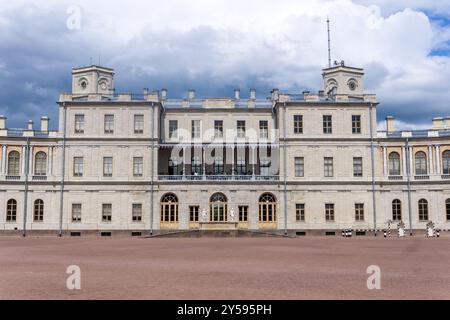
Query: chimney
[44,124]
[237,94]
[252,94]
[2,122]
[163,94]
[447,122]
[30,125]
[438,123]
[305,93]
[321,93]
[191,94]
[275,93]
[390,124]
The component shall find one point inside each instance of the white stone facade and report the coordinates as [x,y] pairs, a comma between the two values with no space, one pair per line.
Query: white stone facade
[318,157]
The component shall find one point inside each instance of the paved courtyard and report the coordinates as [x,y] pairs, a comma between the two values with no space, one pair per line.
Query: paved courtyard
[224,268]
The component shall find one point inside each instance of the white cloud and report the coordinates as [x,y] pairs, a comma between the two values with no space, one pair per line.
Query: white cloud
[276,43]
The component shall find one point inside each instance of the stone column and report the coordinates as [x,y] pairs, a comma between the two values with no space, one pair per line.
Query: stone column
[404,161]
[411,167]
[4,159]
[30,162]
[50,161]
[23,160]
[204,163]
[232,160]
[438,159]
[184,162]
[385,170]
[253,162]
[430,159]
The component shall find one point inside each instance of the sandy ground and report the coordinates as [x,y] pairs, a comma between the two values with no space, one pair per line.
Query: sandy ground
[225,268]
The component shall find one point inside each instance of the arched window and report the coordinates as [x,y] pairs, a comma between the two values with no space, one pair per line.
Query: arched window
[423,210]
[40,164]
[396,210]
[169,208]
[394,164]
[14,163]
[38,210]
[218,208]
[446,162]
[421,163]
[11,210]
[447,209]
[267,208]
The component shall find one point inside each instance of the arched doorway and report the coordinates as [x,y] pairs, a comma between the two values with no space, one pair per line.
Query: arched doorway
[267,211]
[169,211]
[218,208]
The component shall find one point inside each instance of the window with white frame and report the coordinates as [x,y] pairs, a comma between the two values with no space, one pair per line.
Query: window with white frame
[77,166]
[300,212]
[359,211]
[328,166]
[357,167]
[106,212]
[107,166]
[109,123]
[138,123]
[137,212]
[138,166]
[76,212]
[299,163]
[79,123]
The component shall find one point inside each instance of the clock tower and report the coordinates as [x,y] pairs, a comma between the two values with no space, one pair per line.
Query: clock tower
[92,80]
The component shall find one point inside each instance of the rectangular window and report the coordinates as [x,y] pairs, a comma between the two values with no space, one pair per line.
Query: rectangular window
[264,166]
[106,212]
[137,212]
[357,167]
[173,129]
[298,123]
[193,213]
[328,166]
[109,123]
[76,212]
[241,166]
[78,166]
[359,211]
[264,129]
[299,166]
[79,123]
[196,166]
[138,123]
[329,212]
[447,209]
[243,213]
[195,128]
[107,166]
[356,124]
[138,166]
[327,124]
[300,212]
[241,129]
[218,128]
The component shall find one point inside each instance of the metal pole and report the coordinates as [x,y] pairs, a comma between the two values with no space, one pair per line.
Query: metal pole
[284,169]
[329,43]
[152,169]
[63,172]
[372,156]
[25,202]
[409,185]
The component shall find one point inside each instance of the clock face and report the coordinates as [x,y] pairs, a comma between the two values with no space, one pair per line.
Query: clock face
[83,84]
[352,85]
[103,85]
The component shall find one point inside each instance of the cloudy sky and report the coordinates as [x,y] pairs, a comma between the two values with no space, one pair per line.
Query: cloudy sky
[214,46]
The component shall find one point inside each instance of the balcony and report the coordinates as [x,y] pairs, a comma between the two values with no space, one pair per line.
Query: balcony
[218,178]
[39,178]
[395,177]
[445,176]
[422,177]
[11,177]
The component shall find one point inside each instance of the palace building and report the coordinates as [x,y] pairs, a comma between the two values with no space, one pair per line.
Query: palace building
[310,163]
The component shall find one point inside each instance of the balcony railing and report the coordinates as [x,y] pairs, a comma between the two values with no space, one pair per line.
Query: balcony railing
[217,178]
[40,178]
[445,176]
[395,177]
[11,177]
[422,177]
